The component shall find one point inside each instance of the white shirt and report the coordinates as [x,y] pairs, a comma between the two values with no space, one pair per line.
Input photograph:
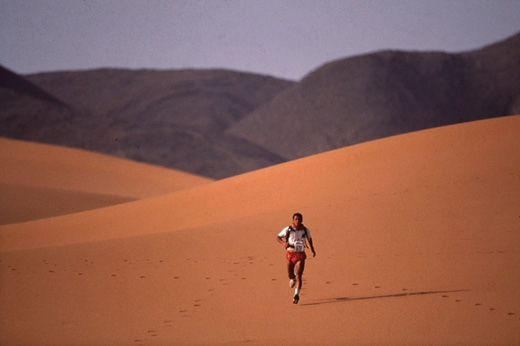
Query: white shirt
[296,238]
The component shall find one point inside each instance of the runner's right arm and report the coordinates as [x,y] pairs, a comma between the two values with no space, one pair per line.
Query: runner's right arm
[281,235]
[283,242]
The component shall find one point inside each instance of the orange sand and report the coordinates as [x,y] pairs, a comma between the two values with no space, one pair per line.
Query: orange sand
[38,181]
[417,238]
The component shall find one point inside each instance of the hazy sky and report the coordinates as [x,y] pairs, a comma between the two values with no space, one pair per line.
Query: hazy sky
[285,39]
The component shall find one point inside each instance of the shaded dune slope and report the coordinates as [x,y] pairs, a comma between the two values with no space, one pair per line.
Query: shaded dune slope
[39,180]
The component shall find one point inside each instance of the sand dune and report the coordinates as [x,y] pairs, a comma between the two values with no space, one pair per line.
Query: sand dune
[38,180]
[417,241]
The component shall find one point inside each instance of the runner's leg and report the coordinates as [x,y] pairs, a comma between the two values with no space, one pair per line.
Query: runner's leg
[300,265]
[290,270]
[298,268]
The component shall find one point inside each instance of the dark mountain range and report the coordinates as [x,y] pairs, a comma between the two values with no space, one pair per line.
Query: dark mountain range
[220,123]
[386,93]
[170,118]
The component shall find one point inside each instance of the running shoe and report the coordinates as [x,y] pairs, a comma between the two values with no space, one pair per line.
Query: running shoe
[296,299]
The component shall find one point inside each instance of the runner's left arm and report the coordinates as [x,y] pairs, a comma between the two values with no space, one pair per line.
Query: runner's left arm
[312,247]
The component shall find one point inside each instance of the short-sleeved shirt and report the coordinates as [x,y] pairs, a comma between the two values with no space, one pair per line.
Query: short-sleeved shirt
[296,238]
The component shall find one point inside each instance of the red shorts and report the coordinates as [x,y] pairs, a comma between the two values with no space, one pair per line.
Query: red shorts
[294,257]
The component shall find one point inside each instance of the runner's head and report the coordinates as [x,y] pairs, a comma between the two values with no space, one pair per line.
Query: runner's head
[297,219]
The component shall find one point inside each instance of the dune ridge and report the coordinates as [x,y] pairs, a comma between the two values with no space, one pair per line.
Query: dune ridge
[41,180]
[354,169]
[416,238]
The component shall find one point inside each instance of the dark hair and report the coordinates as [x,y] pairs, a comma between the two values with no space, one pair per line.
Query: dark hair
[300,216]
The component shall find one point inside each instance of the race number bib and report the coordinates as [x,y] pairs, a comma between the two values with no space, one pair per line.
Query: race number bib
[299,246]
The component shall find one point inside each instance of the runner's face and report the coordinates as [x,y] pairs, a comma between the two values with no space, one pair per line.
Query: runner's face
[297,221]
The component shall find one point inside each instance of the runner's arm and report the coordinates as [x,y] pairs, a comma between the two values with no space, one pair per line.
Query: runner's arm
[312,247]
[281,241]
[283,234]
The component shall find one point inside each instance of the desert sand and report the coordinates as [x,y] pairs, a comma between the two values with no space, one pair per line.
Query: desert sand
[40,180]
[417,239]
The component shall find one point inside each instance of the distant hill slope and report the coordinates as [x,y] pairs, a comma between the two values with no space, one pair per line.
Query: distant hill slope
[12,81]
[30,112]
[386,93]
[170,118]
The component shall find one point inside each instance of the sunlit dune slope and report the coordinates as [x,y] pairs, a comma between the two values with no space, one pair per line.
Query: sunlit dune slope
[38,180]
[417,241]
[403,163]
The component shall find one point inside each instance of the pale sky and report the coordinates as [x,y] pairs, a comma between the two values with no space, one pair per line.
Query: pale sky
[286,39]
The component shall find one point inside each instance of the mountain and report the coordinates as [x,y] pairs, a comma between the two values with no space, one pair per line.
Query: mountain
[386,93]
[170,118]
[30,112]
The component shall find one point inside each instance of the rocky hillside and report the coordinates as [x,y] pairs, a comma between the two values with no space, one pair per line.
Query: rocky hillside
[170,118]
[386,93]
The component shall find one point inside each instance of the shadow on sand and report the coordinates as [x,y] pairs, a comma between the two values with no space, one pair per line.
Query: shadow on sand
[347,299]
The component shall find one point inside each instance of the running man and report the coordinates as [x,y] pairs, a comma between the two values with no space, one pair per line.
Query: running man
[293,240]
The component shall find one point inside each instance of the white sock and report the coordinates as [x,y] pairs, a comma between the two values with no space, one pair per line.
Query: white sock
[297,291]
